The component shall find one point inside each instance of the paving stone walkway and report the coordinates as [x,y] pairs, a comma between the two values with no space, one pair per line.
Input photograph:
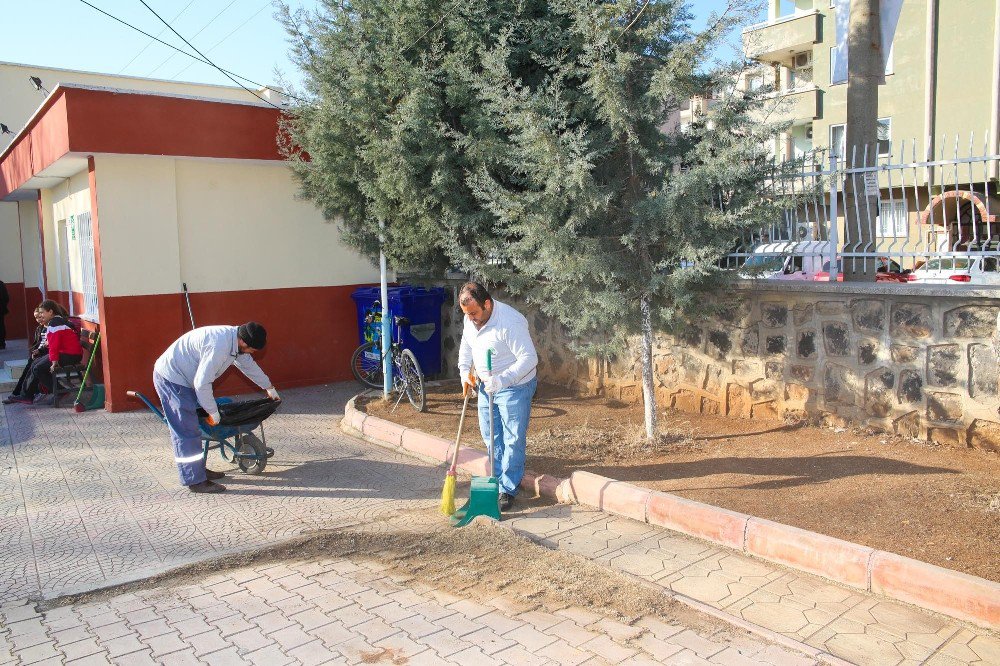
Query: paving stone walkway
[88,500]
[340,611]
[91,499]
[852,625]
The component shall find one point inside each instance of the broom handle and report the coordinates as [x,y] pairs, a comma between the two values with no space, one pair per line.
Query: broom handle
[458,437]
[86,373]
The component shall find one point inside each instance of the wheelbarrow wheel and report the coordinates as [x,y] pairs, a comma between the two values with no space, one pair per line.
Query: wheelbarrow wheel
[251,455]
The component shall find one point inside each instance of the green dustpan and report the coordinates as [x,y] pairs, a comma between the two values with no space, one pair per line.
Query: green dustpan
[484,492]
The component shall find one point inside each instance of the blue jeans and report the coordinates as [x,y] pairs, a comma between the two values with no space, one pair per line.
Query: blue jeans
[180,406]
[511,411]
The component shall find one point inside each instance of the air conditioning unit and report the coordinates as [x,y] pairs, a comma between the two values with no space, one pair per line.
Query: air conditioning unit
[803,231]
[804,59]
[809,133]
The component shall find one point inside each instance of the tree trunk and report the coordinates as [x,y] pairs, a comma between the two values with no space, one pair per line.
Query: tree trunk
[865,71]
[648,395]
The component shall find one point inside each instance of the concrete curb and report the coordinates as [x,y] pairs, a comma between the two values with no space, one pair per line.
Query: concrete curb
[968,598]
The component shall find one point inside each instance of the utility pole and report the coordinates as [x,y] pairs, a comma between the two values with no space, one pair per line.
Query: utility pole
[865,72]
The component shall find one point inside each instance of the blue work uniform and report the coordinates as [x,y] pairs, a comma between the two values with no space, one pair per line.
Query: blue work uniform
[183,377]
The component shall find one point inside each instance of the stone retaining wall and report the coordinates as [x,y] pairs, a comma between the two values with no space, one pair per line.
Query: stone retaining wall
[914,360]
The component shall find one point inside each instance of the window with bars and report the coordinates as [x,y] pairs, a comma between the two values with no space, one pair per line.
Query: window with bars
[892,219]
[88,266]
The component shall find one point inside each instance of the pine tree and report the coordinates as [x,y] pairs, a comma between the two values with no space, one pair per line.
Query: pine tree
[523,141]
[604,220]
[392,124]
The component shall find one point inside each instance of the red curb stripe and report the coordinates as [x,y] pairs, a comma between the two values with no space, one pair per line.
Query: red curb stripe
[426,445]
[696,519]
[839,560]
[953,593]
[387,431]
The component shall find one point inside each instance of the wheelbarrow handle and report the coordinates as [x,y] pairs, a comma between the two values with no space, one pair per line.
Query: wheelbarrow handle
[153,408]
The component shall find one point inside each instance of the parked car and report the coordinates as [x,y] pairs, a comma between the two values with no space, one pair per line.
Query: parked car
[791,260]
[958,270]
[886,270]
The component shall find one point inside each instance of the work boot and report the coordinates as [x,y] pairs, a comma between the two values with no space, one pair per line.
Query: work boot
[207,486]
[213,476]
[506,501]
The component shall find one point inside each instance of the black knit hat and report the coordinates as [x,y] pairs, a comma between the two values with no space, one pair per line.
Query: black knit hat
[253,334]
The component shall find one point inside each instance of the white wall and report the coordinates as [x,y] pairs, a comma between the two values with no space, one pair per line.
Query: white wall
[137,218]
[242,227]
[217,225]
[61,205]
[30,251]
[10,244]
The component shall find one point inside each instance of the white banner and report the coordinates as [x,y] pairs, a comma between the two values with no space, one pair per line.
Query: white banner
[888,18]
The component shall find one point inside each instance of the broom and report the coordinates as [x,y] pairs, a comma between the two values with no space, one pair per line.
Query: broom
[77,407]
[448,492]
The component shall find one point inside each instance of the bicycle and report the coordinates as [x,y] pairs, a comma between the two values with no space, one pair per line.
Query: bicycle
[407,377]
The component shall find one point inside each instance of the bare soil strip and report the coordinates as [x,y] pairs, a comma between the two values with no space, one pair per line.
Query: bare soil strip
[937,504]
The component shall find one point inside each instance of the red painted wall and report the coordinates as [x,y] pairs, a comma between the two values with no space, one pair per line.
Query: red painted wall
[144,124]
[46,141]
[162,125]
[32,297]
[16,326]
[312,332]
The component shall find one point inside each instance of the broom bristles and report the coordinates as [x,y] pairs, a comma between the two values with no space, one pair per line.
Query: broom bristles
[448,495]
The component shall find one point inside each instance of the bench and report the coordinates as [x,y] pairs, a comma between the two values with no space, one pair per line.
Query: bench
[67,379]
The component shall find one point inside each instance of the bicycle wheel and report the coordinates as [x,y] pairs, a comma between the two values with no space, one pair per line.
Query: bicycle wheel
[413,380]
[366,364]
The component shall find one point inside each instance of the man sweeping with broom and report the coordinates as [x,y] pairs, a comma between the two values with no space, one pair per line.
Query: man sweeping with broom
[496,331]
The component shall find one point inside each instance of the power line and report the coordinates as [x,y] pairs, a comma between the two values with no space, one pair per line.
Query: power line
[234,31]
[205,58]
[210,22]
[179,50]
[150,42]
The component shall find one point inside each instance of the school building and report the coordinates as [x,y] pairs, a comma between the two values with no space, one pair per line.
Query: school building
[115,191]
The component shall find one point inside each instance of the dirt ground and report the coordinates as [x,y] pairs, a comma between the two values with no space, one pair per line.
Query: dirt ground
[933,503]
[483,561]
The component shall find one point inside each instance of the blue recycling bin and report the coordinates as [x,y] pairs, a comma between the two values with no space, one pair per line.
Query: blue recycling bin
[422,306]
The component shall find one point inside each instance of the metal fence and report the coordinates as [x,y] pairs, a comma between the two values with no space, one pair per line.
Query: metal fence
[886,213]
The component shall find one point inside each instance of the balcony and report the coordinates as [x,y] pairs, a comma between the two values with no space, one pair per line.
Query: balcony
[796,106]
[774,40]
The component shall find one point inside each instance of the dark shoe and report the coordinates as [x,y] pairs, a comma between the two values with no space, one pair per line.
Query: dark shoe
[207,487]
[506,501]
[17,400]
[214,476]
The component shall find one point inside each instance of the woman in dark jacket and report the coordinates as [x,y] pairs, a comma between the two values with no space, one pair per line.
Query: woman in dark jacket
[38,348]
[63,342]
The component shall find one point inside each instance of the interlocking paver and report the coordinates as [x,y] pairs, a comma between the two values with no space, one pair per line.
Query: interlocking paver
[95,513]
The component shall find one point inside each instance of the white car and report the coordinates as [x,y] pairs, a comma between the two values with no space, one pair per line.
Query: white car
[794,260]
[958,270]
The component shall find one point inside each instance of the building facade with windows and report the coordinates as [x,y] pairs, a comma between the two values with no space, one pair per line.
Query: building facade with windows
[940,103]
[114,196]
[940,75]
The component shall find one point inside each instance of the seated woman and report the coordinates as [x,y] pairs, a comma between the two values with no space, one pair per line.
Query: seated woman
[38,348]
[64,348]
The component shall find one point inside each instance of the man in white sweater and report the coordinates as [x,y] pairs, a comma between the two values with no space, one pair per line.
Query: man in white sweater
[494,326]
[183,377]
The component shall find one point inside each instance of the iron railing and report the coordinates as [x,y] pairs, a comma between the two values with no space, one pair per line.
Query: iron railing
[885,213]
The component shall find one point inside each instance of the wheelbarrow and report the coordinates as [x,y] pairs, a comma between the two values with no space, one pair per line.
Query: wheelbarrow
[237,444]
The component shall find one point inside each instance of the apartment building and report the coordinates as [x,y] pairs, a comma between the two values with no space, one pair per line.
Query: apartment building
[940,102]
[940,72]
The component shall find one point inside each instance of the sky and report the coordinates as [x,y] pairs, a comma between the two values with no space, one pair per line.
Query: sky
[242,36]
